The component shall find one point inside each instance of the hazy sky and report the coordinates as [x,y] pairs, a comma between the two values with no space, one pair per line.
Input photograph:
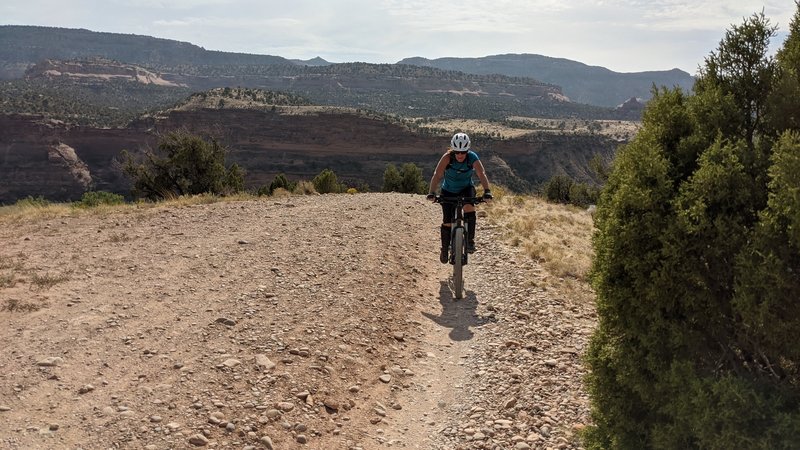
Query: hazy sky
[622,35]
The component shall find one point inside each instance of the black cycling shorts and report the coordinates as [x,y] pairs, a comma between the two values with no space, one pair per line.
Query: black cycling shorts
[449,209]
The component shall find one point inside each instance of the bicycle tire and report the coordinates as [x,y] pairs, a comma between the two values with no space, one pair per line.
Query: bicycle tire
[458,262]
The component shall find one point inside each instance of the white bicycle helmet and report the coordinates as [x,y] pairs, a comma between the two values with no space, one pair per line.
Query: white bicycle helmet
[460,142]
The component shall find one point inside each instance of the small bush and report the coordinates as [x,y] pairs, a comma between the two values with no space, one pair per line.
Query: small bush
[391,179]
[96,198]
[281,181]
[407,180]
[412,181]
[557,189]
[327,183]
[352,191]
[563,189]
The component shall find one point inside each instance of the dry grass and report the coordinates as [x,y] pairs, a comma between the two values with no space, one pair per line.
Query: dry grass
[12,265]
[7,280]
[119,237]
[9,262]
[281,193]
[559,237]
[47,280]
[14,270]
[16,305]
[24,212]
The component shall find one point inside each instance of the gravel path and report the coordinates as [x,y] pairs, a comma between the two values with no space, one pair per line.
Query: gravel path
[280,323]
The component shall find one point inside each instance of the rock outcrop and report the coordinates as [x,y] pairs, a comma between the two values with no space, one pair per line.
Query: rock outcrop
[99,69]
[40,157]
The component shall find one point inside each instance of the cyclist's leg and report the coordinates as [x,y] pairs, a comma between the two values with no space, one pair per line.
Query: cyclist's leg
[470,219]
[448,214]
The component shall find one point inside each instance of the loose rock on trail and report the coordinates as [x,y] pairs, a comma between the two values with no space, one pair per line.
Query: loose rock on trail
[321,322]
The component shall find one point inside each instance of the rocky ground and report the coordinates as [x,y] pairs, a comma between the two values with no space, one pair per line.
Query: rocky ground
[320,322]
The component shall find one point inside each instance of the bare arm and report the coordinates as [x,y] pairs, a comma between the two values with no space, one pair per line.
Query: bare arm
[438,173]
[478,166]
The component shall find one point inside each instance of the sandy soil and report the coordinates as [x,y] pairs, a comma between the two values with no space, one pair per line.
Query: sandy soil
[321,322]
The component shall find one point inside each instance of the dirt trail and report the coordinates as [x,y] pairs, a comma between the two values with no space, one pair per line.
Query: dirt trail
[305,322]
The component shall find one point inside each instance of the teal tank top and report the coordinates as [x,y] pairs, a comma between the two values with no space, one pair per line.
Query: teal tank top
[458,176]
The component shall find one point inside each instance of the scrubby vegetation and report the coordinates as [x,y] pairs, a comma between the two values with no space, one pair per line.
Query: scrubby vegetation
[112,103]
[185,164]
[406,180]
[239,97]
[93,199]
[563,189]
[327,183]
[697,253]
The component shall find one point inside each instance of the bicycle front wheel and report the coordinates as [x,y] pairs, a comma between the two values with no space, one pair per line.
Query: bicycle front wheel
[458,262]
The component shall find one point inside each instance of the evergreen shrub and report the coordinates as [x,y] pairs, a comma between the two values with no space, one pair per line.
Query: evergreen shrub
[697,256]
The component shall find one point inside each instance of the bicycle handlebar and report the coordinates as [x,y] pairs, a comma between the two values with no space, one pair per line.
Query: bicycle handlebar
[472,200]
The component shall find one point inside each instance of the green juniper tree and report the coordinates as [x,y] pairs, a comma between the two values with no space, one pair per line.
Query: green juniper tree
[391,179]
[407,180]
[697,260]
[326,182]
[411,179]
[184,164]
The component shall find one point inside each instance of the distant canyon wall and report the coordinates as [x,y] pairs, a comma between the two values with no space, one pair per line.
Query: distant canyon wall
[44,158]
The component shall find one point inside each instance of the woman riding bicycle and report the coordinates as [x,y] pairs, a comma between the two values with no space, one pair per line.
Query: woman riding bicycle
[453,175]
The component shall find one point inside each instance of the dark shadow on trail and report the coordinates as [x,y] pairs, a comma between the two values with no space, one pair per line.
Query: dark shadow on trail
[458,314]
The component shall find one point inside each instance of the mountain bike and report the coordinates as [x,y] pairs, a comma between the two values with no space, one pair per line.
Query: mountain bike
[458,240]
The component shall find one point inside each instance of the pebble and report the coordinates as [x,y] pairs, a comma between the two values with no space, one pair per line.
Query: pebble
[226,321]
[266,441]
[285,406]
[50,361]
[264,361]
[198,440]
[331,403]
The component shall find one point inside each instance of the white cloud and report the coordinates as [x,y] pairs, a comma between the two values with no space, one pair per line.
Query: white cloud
[623,35]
